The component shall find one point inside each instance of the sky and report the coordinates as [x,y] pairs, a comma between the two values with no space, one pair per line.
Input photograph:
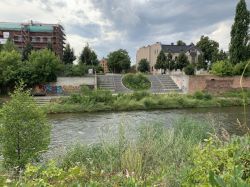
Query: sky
[108,25]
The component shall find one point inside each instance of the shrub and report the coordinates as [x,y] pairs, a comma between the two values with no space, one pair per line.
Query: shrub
[218,163]
[25,130]
[136,82]
[143,66]
[189,69]
[222,68]
[239,68]
[202,95]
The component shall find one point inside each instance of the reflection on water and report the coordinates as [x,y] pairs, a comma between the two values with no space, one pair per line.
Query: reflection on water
[87,128]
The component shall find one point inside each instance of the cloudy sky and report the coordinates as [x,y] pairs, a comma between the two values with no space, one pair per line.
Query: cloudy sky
[108,25]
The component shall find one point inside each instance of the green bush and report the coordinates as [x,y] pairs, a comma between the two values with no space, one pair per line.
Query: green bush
[239,68]
[189,69]
[222,68]
[202,95]
[218,163]
[25,131]
[136,82]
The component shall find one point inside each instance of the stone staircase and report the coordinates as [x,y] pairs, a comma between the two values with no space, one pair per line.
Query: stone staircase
[106,82]
[162,84]
[119,87]
[43,100]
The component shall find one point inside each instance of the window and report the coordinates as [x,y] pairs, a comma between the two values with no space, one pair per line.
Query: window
[45,39]
[37,39]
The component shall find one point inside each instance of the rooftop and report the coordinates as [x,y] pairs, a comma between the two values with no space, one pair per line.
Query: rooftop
[177,48]
[31,26]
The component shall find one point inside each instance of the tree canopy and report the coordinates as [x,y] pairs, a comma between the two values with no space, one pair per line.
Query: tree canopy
[161,61]
[143,66]
[68,55]
[239,46]
[25,131]
[182,61]
[180,43]
[209,48]
[119,61]
[88,56]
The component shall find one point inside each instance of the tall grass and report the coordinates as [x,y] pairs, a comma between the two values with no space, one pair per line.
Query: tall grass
[157,155]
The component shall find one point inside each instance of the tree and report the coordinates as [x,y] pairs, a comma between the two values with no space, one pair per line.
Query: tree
[201,63]
[68,55]
[222,55]
[189,69]
[182,61]
[161,61]
[44,66]
[88,56]
[209,48]
[239,34]
[10,62]
[143,66]
[25,131]
[119,61]
[9,46]
[180,43]
[26,51]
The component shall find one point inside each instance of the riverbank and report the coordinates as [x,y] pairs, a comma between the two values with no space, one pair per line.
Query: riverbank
[103,101]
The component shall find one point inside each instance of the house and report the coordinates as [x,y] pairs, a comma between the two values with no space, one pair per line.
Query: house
[151,52]
[104,65]
[39,35]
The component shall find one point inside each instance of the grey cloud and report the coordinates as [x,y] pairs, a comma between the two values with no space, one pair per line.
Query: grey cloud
[90,30]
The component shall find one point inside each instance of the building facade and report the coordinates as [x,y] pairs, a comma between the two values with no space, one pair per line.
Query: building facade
[151,52]
[104,65]
[39,35]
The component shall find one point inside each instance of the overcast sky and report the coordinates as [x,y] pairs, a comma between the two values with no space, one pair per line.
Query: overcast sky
[108,25]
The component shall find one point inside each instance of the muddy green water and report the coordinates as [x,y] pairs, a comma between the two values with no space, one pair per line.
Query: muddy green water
[87,128]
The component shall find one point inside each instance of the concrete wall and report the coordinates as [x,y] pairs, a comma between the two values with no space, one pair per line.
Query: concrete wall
[182,82]
[73,84]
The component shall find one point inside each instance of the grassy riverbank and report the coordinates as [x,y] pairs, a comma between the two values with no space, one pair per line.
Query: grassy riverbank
[94,101]
[188,154]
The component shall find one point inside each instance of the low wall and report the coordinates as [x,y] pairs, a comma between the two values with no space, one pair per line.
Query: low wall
[215,84]
[65,85]
[182,81]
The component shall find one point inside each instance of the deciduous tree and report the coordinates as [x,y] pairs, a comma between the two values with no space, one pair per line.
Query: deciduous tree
[143,66]
[25,131]
[88,56]
[182,61]
[119,61]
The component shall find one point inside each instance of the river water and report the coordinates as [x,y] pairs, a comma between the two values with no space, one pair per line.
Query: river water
[88,128]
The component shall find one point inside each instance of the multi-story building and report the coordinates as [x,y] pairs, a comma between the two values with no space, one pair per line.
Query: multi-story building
[151,52]
[104,65]
[39,35]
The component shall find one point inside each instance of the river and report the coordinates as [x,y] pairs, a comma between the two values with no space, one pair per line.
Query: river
[87,128]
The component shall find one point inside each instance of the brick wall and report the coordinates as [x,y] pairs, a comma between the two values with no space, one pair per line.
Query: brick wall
[216,84]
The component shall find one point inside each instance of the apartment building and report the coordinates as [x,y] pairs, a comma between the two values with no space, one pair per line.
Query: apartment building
[40,35]
[151,52]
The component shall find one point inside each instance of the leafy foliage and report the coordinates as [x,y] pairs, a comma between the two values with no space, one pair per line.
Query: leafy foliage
[68,55]
[218,163]
[189,69]
[209,48]
[25,130]
[239,50]
[26,51]
[143,66]
[239,68]
[222,68]
[162,61]
[182,61]
[180,43]
[88,56]
[136,82]
[119,61]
